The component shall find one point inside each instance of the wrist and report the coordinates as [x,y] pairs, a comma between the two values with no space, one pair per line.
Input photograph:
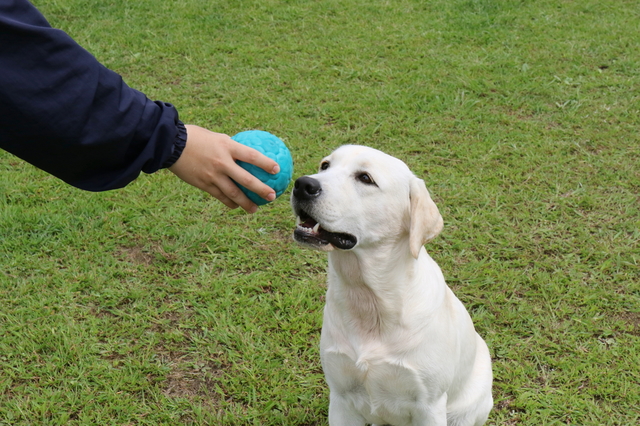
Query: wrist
[178,145]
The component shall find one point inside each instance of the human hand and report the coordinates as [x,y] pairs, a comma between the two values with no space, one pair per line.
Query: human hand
[208,162]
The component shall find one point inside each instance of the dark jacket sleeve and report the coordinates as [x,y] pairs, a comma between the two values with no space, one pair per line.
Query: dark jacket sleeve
[64,112]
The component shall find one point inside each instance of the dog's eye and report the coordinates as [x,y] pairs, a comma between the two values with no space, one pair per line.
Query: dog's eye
[324,165]
[365,178]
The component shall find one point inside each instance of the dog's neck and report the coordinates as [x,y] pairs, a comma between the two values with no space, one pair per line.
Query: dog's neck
[371,289]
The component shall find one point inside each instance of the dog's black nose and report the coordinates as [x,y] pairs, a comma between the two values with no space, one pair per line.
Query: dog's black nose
[306,188]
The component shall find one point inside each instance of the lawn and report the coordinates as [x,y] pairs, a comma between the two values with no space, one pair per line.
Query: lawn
[156,305]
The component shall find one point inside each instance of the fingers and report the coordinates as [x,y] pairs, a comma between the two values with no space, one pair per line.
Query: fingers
[217,193]
[252,183]
[255,157]
[208,162]
[231,196]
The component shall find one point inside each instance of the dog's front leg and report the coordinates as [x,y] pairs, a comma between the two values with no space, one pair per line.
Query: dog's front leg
[341,413]
[432,414]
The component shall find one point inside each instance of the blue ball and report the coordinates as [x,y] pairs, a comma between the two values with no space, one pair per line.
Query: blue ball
[271,146]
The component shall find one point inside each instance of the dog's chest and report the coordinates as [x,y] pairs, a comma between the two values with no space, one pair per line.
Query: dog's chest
[383,391]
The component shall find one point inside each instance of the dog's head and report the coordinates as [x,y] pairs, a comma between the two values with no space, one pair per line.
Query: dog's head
[360,198]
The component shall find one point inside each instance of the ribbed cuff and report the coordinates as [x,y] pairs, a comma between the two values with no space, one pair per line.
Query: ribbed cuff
[178,145]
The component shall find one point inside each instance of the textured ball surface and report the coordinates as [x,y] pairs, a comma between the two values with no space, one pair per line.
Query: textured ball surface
[271,146]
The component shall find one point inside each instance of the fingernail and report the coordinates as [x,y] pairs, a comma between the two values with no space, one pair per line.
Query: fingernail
[276,169]
[253,209]
[271,196]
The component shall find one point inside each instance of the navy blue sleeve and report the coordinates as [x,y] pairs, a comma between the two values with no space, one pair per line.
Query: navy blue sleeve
[64,112]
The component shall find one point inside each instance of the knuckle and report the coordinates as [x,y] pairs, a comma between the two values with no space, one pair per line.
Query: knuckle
[253,156]
[234,193]
[246,180]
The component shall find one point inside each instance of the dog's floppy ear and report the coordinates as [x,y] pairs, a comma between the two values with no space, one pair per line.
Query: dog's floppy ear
[426,221]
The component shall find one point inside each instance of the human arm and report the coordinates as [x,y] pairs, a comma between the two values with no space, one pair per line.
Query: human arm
[64,112]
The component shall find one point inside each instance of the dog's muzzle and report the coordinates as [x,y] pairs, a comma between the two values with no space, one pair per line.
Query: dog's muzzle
[308,230]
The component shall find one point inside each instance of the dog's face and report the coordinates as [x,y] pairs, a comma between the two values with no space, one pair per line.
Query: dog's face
[359,198]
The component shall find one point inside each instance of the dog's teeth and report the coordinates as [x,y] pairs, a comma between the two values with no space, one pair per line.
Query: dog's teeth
[298,220]
[315,228]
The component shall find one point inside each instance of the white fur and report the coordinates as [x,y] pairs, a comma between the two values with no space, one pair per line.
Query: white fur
[397,347]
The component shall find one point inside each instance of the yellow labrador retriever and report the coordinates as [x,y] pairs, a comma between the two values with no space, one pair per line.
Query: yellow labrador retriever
[397,347]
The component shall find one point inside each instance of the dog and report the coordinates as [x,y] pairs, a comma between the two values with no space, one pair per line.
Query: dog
[397,347]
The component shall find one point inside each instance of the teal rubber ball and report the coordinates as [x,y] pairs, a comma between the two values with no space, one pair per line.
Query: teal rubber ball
[273,147]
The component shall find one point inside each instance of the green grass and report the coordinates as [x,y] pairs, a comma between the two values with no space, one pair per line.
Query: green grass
[156,305]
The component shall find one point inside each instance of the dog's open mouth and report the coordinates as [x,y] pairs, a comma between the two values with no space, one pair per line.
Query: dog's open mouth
[309,231]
